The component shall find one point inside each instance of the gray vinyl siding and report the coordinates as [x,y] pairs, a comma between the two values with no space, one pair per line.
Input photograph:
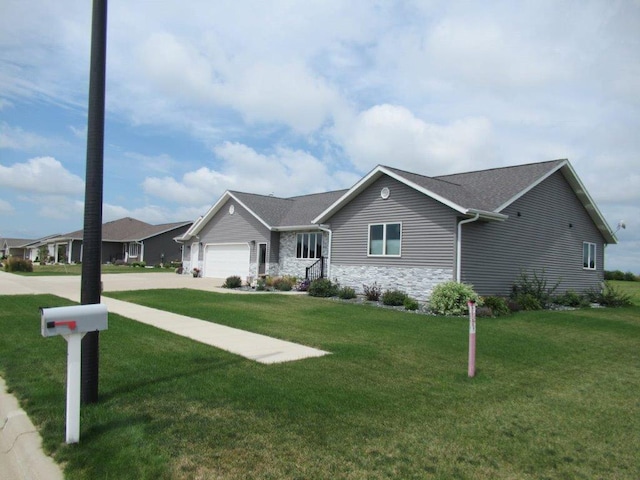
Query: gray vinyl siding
[548,234]
[76,250]
[428,228]
[111,251]
[239,227]
[163,244]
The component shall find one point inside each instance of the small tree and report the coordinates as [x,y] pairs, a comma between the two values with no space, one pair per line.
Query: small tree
[43,254]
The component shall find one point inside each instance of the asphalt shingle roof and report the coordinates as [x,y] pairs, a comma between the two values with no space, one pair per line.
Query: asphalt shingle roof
[16,242]
[482,189]
[128,230]
[292,211]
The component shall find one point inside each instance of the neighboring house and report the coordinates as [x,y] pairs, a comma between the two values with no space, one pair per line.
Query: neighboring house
[410,232]
[127,239]
[15,247]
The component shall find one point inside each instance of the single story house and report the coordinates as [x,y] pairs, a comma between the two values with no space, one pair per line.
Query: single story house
[15,247]
[127,239]
[410,232]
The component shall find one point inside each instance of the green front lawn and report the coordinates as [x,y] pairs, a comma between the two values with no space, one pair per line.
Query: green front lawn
[556,394]
[76,269]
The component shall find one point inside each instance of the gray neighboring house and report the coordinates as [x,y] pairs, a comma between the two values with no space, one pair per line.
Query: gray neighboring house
[15,247]
[410,232]
[126,239]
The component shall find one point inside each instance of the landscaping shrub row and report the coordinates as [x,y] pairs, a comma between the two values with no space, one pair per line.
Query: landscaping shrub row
[529,292]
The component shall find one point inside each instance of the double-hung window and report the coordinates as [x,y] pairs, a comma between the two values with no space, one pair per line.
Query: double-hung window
[309,245]
[385,239]
[134,249]
[589,255]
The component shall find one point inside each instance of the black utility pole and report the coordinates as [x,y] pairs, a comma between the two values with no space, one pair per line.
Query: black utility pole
[92,239]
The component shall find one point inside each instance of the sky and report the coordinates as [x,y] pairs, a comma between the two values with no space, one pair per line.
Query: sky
[291,98]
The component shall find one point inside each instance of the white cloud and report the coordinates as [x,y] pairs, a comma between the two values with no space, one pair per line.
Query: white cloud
[153,214]
[15,138]
[162,163]
[57,207]
[41,175]
[195,188]
[283,172]
[393,135]
[5,207]
[285,93]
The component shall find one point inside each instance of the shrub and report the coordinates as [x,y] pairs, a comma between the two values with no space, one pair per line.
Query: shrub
[284,284]
[613,275]
[410,303]
[535,286]
[261,284]
[393,298]
[498,305]
[610,296]
[234,281]
[303,285]
[571,299]
[14,264]
[527,301]
[372,292]
[322,287]
[450,298]
[139,264]
[346,293]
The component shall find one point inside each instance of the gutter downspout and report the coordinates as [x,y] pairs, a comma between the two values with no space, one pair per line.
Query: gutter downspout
[328,230]
[459,244]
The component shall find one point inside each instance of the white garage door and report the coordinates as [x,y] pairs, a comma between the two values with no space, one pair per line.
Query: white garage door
[225,260]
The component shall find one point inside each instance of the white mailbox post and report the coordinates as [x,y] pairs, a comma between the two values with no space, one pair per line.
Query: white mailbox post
[72,323]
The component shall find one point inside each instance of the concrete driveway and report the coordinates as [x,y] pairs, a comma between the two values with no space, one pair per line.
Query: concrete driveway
[69,286]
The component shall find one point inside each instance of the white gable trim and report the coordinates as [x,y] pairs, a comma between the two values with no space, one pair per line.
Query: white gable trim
[202,221]
[371,177]
[581,192]
[531,186]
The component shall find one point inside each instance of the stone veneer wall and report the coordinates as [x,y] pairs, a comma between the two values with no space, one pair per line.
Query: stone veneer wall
[289,264]
[415,282]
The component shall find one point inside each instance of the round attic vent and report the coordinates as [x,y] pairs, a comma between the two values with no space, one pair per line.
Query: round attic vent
[384,193]
[231,209]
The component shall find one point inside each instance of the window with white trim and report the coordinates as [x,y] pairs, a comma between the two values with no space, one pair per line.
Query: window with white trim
[385,239]
[134,249]
[589,255]
[309,245]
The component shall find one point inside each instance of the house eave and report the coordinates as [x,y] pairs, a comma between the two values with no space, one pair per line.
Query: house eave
[371,177]
[486,215]
[579,189]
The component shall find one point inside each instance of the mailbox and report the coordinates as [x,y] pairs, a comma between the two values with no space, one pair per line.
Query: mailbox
[74,319]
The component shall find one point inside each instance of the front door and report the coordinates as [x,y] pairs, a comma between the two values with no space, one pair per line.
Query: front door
[262,259]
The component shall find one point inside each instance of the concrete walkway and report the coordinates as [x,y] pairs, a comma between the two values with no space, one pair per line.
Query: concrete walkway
[260,348]
[21,455]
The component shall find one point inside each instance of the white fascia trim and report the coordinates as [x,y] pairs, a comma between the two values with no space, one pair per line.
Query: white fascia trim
[582,194]
[363,182]
[250,211]
[374,175]
[202,221]
[532,186]
[591,207]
